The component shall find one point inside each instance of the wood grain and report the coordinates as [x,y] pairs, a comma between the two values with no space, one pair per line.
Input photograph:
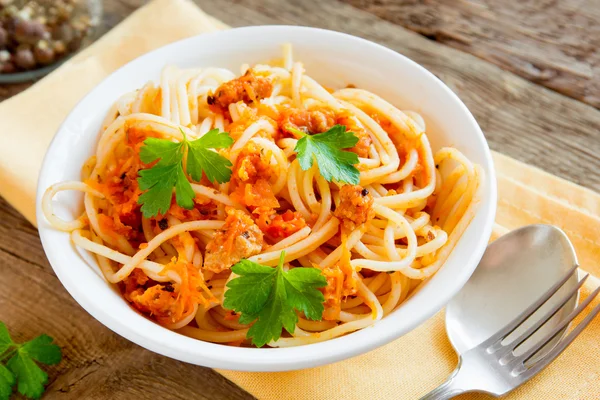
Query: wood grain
[97,363]
[553,43]
[520,118]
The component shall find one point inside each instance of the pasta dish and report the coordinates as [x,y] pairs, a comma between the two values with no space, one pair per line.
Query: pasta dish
[265,209]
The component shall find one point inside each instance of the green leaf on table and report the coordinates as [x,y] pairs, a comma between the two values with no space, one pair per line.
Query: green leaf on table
[30,378]
[21,367]
[42,349]
[5,340]
[7,381]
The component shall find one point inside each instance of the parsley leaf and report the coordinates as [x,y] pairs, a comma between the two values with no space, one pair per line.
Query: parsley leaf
[301,295]
[5,340]
[326,148]
[270,297]
[21,368]
[214,165]
[158,182]
[7,381]
[165,151]
[31,379]
[43,350]
[168,173]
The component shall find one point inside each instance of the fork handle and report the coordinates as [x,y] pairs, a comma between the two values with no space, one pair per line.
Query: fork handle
[452,387]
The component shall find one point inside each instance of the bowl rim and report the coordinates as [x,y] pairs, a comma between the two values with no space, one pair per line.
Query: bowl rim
[274,359]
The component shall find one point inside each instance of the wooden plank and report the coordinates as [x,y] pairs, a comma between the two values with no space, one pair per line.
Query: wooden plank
[519,118]
[97,363]
[553,43]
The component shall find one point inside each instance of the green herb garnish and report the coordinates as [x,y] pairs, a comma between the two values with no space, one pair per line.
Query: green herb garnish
[334,163]
[158,181]
[18,364]
[269,297]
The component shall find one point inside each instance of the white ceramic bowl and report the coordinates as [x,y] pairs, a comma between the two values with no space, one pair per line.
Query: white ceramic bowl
[334,59]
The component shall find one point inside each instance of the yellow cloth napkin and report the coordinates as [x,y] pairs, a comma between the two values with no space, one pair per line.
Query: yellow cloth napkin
[404,369]
[29,120]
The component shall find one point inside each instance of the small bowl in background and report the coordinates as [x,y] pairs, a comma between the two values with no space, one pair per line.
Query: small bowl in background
[37,36]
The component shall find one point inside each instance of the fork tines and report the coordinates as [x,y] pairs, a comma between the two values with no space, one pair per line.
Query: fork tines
[505,353]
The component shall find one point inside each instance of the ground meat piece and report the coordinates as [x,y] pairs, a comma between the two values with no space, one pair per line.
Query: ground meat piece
[239,238]
[306,121]
[340,284]
[259,194]
[355,208]
[203,209]
[363,145]
[167,303]
[364,139]
[278,225]
[136,279]
[250,178]
[332,293]
[253,164]
[247,88]
[149,297]
[161,304]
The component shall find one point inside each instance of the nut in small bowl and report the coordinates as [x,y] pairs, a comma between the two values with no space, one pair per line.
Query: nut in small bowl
[36,36]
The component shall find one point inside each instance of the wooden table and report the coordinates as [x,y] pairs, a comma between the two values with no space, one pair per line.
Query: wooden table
[529,72]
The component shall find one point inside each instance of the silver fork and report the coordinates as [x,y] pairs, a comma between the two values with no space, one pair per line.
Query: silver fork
[493,368]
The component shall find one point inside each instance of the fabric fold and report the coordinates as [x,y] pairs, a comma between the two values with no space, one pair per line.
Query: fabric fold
[29,120]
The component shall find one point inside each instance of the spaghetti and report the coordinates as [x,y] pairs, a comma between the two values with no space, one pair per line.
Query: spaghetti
[374,242]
